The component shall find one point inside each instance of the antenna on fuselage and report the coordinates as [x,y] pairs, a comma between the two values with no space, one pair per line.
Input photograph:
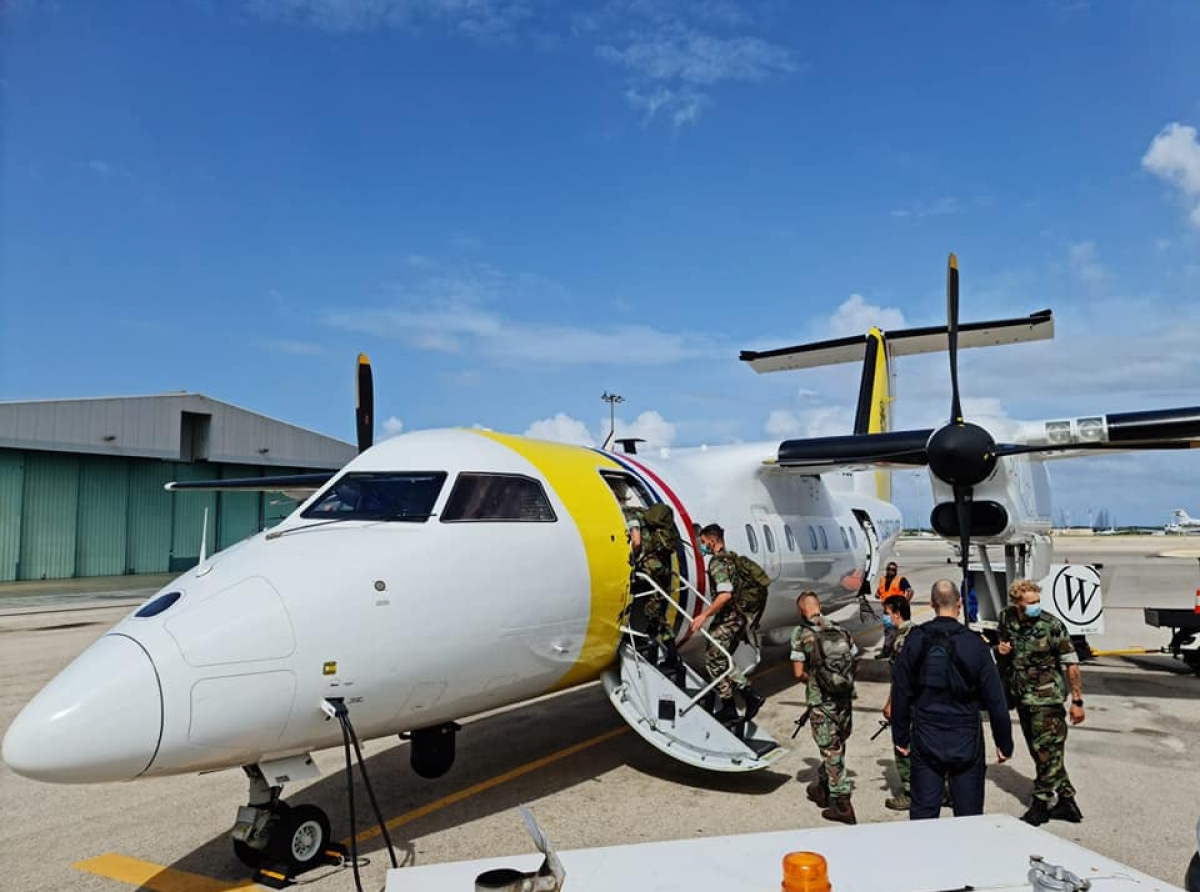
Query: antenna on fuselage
[629,444]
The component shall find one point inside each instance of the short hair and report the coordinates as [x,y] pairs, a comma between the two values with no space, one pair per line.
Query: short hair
[1021,587]
[714,530]
[890,564]
[898,604]
[944,595]
[804,596]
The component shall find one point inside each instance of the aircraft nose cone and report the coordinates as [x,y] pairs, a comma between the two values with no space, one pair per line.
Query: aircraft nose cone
[99,720]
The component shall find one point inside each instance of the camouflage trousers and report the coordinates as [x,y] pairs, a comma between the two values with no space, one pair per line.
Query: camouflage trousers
[831,724]
[727,630]
[654,606]
[1045,730]
[904,769]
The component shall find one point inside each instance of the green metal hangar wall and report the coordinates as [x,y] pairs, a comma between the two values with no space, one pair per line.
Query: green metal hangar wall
[81,481]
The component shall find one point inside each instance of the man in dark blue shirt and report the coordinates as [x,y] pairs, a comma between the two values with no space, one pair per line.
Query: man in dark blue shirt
[943,678]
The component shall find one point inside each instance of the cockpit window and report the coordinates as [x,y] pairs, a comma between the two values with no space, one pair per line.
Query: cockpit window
[392,495]
[510,497]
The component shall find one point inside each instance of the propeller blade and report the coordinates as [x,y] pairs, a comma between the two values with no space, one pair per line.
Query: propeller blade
[952,325]
[364,414]
[962,507]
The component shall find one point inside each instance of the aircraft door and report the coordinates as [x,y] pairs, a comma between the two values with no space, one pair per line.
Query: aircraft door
[873,557]
[768,531]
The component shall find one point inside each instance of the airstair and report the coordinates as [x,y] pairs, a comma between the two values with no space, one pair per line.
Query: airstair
[671,707]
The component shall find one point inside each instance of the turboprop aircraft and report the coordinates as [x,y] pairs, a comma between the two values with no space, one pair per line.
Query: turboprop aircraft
[1182,522]
[443,573]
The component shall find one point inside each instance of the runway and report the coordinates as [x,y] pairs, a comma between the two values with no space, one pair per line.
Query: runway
[592,782]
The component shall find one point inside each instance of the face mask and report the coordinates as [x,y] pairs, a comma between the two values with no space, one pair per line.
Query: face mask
[887,621]
[1033,611]
[704,549]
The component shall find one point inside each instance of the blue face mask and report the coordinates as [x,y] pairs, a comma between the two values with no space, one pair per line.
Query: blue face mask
[1033,611]
[704,549]
[887,621]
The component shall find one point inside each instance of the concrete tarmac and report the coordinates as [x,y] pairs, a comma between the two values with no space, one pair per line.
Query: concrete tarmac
[592,782]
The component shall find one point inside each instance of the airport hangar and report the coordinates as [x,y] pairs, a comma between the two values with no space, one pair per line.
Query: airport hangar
[81,481]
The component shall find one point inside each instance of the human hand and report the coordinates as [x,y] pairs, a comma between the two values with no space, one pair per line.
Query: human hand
[1005,648]
[697,624]
[1076,714]
[887,710]
[902,750]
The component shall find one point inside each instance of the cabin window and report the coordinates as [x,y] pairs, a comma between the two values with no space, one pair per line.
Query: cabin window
[497,497]
[392,495]
[790,536]
[751,538]
[769,538]
[812,538]
[845,538]
[824,538]
[853,538]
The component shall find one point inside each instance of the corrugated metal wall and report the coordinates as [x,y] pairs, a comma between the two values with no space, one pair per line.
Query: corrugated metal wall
[48,525]
[103,510]
[12,490]
[148,542]
[64,515]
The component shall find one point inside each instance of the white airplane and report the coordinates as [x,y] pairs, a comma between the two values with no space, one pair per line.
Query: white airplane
[443,573]
[1181,522]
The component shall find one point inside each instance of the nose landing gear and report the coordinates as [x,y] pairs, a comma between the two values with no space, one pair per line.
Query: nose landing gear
[281,841]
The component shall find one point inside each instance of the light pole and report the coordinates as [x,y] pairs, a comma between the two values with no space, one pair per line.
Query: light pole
[612,399]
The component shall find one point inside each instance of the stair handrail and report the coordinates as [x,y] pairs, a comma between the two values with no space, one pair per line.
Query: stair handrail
[655,587]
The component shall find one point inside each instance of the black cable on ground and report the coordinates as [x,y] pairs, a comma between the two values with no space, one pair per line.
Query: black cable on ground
[344,721]
[362,767]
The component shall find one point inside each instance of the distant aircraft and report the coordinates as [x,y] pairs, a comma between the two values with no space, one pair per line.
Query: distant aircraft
[444,573]
[1181,522]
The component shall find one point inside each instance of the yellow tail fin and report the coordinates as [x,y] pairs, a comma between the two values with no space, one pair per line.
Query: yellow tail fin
[874,400]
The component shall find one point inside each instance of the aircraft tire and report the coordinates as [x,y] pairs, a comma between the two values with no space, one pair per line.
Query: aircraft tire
[299,836]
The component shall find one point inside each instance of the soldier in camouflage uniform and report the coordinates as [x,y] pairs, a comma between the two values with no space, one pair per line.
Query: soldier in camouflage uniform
[831,718]
[728,627]
[897,613]
[1038,663]
[657,565]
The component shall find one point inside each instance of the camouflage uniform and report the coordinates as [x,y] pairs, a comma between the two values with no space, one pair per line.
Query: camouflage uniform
[903,762]
[831,719]
[1034,676]
[657,567]
[727,627]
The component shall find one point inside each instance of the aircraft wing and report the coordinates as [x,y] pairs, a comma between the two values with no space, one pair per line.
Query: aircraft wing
[305,484]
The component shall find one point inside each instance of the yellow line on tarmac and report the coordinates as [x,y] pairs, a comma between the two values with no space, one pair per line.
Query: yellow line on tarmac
[491,782]
[1129,651]
[156,877]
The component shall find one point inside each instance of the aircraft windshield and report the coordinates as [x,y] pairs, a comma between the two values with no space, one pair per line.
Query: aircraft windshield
[403,496]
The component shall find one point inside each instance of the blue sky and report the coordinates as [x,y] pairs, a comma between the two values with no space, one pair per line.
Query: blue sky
[516,205]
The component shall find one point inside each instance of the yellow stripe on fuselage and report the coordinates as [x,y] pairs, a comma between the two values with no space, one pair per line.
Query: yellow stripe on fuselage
[573,472]
[881,403]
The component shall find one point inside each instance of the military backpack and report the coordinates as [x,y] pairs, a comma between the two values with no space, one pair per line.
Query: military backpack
[660,538]
[751,588]
[834,664]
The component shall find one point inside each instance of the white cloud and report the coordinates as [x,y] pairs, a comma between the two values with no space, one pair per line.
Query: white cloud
[940,207]
[448,312]
[483,20]
[1085,265]
[392,426]
[562,428]
[649,426]
[677,52]
[1174,157]
[855,316]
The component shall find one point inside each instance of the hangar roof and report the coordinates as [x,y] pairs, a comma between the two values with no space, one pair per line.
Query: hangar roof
[173,426]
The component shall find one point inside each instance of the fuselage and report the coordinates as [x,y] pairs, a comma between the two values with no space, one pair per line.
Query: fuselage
[508,581]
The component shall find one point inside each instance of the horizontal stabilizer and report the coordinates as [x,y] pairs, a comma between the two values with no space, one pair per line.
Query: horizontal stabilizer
[281,483]
[904,342]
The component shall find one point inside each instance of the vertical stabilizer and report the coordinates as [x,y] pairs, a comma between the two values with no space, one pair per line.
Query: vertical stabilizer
[873,415]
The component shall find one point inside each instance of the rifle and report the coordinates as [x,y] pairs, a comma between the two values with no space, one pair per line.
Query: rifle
[884,724]
[802,721]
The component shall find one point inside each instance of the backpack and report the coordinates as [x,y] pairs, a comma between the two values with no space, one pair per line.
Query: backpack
[940,666]
[834,666]
[752,585]
[660,538]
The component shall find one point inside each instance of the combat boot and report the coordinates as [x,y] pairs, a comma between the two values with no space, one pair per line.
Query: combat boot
[899,802]
[1066,810]
[1039,813]
[817,792]
[727,712]
[840,810]
[754,701]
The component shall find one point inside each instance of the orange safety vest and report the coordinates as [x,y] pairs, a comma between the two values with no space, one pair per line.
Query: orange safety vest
[886,591]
